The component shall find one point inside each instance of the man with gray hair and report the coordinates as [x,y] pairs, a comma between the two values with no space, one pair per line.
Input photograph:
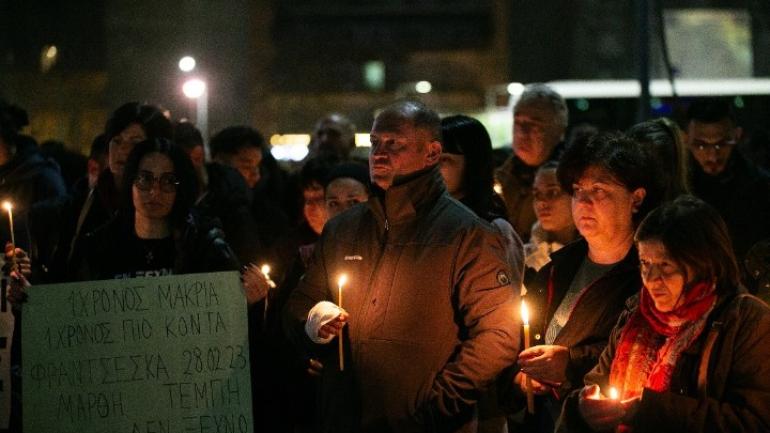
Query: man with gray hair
[539,121]
[429,314]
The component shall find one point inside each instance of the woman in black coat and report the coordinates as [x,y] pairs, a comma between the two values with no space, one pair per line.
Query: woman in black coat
[155,232]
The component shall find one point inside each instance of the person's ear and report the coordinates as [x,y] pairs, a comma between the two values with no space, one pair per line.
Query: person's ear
[434,152]
[637,198]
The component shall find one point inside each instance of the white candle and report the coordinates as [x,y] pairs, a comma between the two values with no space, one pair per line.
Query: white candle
[271,285]
[8,206]
[525,321]
[341,282]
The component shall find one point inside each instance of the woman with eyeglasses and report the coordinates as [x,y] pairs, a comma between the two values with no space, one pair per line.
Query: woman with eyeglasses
[155,233]
[690,352]
[576,298]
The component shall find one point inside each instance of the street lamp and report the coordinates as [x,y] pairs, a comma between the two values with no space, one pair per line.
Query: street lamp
[186,64]
[196,89]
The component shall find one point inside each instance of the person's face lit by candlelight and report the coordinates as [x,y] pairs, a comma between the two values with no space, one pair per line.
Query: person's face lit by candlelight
[663,278]
[342,194]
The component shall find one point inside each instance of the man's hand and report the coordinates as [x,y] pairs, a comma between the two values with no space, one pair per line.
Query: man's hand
[599,412]
[20,258]
[255,284]
[546,363]
[334,326]
[537,387]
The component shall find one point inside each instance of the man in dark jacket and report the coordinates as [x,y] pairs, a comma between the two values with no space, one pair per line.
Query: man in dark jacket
[539,123]
[724,178]
[429,317]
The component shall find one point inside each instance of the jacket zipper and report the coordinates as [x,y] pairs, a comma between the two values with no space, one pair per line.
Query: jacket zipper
[376,268]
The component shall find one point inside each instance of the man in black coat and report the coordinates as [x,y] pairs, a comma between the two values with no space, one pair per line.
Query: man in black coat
[724,178]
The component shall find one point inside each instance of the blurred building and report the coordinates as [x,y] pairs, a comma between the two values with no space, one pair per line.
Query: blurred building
[279,65]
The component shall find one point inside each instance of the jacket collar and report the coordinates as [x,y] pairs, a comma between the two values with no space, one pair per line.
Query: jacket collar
[571,256]
[413,195]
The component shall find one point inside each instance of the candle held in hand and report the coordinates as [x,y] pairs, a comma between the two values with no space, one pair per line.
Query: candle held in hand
[9,207]
[614,395]
[341,282]
[525,321]
[266,272]
[271,285]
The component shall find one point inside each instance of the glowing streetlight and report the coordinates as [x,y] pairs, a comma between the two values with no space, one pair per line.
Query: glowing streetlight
[515,89]
[423,87]
[186,64]
[194,88]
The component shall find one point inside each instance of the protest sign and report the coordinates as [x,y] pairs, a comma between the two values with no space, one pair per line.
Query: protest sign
[158,354]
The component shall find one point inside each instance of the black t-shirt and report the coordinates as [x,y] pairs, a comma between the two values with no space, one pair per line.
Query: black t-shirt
[144,258]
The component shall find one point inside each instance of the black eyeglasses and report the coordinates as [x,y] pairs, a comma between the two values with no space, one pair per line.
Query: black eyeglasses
[167,182]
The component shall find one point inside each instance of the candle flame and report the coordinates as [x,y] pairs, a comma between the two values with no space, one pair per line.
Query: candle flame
[524,313]
[266,270]
[614,393]
[7,206]
[343,279]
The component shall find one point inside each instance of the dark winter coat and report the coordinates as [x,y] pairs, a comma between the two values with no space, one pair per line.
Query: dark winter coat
[593,316]
[431,309]
[736,395]
[199,246]
[586,332]
[741,195]
[28,181]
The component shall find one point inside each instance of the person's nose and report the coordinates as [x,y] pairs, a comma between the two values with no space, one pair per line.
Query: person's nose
[710,153]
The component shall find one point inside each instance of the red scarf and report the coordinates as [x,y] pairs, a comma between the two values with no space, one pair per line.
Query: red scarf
[652,341]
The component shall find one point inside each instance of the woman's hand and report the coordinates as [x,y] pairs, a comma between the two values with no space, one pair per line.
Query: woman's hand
[255,284]
[599,412]
[19,258]
[537,387]
[546,363]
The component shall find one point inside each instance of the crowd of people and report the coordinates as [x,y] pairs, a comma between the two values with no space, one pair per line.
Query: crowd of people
[643,258]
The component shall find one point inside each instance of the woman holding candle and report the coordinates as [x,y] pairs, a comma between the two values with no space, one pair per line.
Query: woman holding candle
[690,353]
[576,298]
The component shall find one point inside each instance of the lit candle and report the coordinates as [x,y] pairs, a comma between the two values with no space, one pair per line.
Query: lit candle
[614,393]
[266,272]
[498,188]
[8,206]
[271,285]
[525,321]
[341,282]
